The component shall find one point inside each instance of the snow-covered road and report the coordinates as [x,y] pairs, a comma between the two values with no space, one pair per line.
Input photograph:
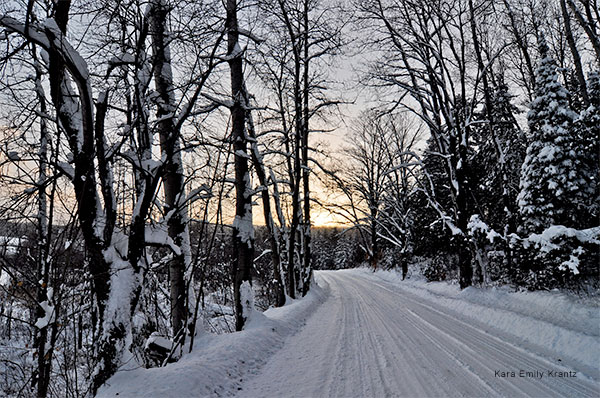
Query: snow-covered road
[371,338]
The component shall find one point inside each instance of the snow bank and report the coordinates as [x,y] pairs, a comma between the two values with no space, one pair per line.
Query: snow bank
[546,322]
[9,246]
[219,363]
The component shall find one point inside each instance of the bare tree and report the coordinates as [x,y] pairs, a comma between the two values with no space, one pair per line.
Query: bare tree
[293,71]
[116,247]
[243,229]
[430,64]
[587,14]
[366,176]
[377,181]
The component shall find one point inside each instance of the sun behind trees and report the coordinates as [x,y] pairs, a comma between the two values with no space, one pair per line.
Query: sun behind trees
[138,137]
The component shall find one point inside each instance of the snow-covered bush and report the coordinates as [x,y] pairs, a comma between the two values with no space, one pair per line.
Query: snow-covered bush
[498,268]
[558,257]
[491,257]
[436,269]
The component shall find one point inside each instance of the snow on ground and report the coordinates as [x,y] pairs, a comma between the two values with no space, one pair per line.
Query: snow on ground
[9,246]
[373,338]
[219,363]
[552,321]
[365,334]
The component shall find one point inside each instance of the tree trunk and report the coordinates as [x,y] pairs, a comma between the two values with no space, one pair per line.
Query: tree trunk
[44,356]
[281,218]
[296,173]
[82,146]
[173,181]
[461,192]
[85,135]
[374,245]
[243,229]
[575,53]
[307,263]
[296,188]
[268,214]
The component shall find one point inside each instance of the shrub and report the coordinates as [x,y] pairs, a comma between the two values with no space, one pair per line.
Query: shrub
[436,270]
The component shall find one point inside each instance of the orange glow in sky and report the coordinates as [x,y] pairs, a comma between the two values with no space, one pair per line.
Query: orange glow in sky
[323,218]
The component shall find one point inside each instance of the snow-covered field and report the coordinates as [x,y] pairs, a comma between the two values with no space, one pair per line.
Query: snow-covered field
[373,335]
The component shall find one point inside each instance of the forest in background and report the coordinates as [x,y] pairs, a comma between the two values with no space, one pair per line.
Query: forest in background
[138,137]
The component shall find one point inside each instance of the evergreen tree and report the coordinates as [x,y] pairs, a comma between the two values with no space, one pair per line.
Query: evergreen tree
[498,153]
[497,162]
[576,100]
[588,148]
[551,177]
[432,237]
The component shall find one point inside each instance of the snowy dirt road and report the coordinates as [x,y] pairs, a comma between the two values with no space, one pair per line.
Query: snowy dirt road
[374,339]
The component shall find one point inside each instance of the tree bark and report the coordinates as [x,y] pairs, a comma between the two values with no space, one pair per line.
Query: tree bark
[173,180]
[306,249]
[267,212]
[243,229]
[44,357]
[296,172]
[575,53]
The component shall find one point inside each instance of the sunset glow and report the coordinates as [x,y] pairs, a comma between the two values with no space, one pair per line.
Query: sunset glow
[323,218]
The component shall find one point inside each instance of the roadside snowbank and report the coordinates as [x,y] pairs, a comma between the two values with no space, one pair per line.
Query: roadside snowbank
[547,322]
[219,363]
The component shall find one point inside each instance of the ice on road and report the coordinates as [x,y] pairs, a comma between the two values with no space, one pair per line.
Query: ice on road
[375,339]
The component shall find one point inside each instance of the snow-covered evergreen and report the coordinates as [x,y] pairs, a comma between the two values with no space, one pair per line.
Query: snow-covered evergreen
[588,149]
[551,177]
[499,154]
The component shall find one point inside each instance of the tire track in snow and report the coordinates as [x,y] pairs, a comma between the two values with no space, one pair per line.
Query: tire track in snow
[515,355]
[357,357]
[397,343]
[504,353]
[437,368]
[370,339]
[449,349]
